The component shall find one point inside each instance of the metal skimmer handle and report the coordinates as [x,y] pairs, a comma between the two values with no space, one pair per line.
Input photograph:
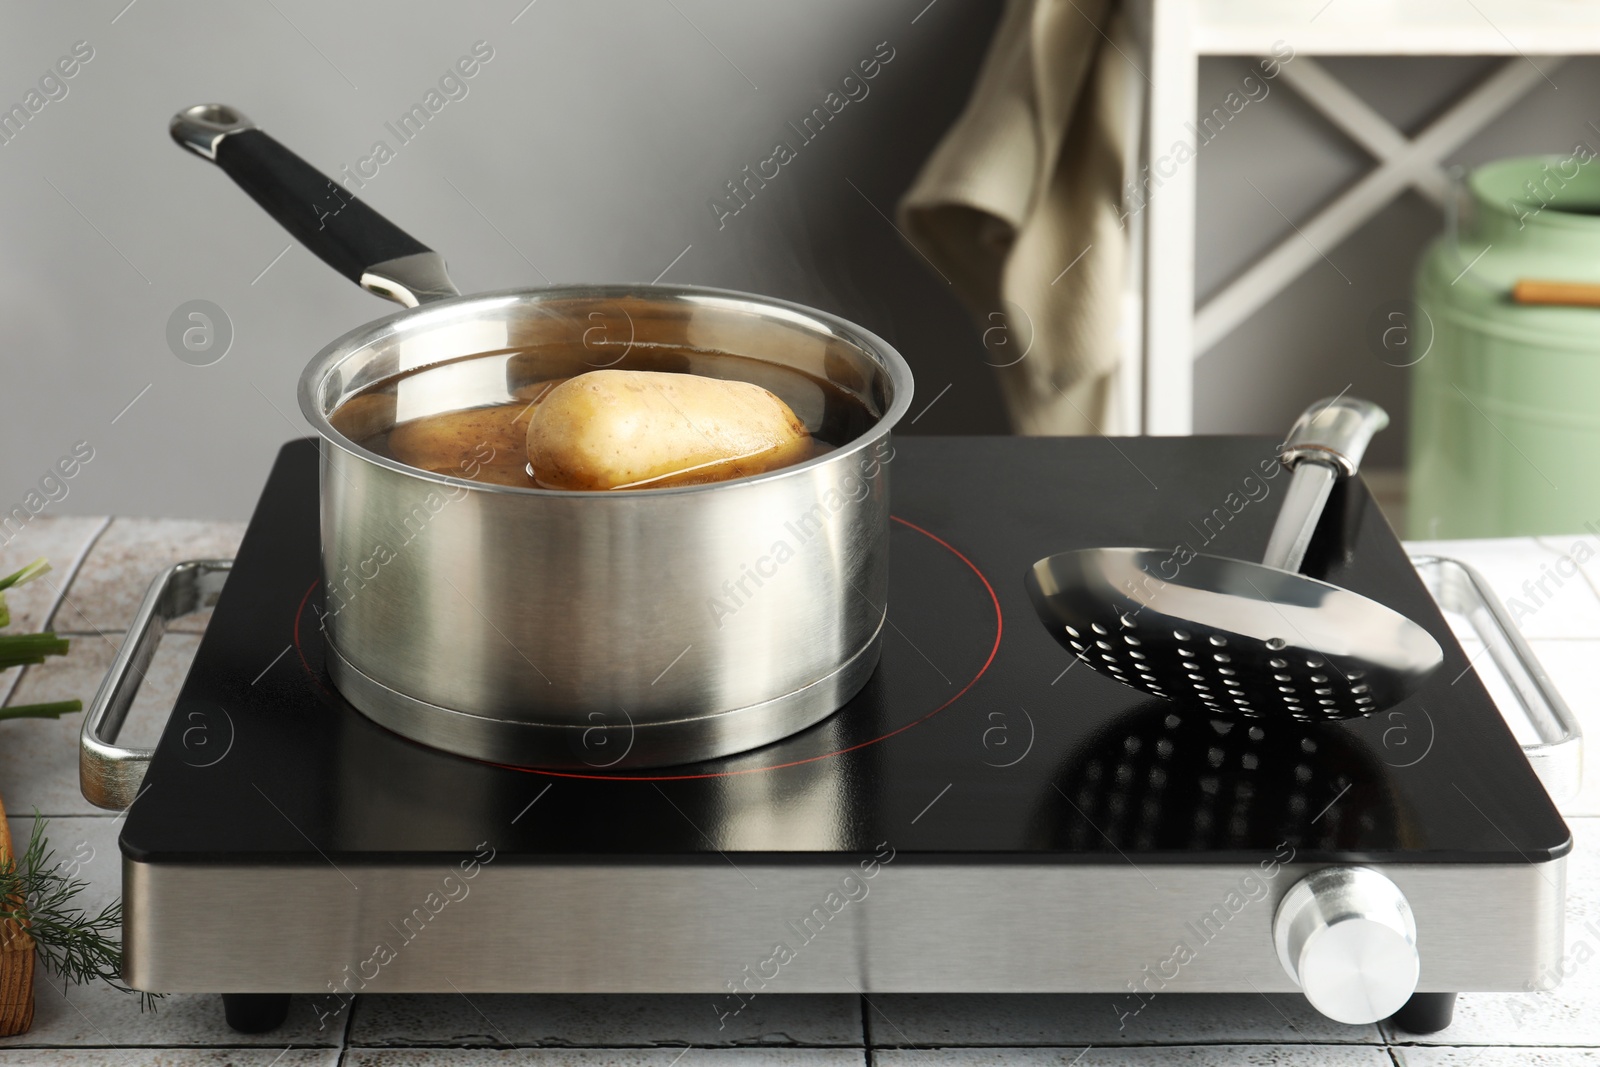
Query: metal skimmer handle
[108,775]
[1326,444]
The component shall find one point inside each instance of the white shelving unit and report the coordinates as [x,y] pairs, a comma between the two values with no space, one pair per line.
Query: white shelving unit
[1534,35]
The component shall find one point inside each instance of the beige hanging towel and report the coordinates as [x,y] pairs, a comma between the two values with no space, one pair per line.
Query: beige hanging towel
[1019,207]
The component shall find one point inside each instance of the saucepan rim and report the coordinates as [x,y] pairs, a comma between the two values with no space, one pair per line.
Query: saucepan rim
[327,362]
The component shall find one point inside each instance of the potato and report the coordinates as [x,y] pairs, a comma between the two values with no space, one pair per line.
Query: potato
[626,429]
[529,397]
[485,444]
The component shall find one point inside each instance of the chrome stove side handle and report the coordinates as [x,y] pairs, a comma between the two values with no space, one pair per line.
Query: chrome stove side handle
[1557,757]
[109,775]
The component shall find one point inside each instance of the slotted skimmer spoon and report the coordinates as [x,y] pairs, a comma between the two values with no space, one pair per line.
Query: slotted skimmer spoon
[1256,640]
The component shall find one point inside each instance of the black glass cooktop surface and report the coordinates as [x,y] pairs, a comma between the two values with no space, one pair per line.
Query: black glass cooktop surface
[977,738]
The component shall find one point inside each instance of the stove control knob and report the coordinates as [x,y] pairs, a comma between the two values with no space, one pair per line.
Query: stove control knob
[1346,936]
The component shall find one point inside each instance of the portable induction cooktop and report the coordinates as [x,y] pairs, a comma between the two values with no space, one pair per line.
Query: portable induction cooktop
[984,816]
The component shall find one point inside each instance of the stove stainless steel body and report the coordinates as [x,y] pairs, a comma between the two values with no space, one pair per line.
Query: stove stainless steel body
[983,816]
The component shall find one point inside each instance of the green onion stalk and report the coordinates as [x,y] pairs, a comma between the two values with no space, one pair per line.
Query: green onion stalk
[17,650]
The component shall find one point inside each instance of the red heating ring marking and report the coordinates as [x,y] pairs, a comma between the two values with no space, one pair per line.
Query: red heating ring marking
[299,651]
[999,628]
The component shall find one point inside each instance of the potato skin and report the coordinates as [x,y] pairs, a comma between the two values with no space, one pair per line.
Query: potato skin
[625,429]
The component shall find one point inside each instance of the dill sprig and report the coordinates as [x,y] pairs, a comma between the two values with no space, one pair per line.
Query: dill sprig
[36,893]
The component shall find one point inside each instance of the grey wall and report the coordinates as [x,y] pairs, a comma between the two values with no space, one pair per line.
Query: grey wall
[590,144]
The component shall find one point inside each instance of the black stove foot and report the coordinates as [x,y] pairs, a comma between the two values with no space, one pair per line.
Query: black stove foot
[255,1013]
[1426,1013]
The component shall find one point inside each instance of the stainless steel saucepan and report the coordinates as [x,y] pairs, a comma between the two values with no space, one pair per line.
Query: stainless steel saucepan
[544,628]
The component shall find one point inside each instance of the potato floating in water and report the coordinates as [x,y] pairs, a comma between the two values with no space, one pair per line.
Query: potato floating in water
[477,443]
[626,429]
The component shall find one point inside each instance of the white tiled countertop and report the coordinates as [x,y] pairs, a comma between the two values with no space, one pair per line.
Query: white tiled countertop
[102,568]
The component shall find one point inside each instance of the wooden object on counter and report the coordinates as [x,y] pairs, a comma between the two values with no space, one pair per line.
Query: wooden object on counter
[1564,294]
[16,957]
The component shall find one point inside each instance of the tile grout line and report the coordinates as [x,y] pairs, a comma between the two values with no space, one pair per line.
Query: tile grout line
[172,631]
[1232,1042]
[1583,570]
[97,814]
[467,1046]
[237,1046]
[344,1036]
[428,1044]
[867,1051]
[159,1048]
[73,568]
[118,633]
[77,565]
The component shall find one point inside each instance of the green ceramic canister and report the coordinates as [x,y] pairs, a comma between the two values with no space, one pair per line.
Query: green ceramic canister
[1505,399]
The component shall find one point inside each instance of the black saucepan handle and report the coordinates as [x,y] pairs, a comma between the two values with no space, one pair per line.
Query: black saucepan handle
[322,215]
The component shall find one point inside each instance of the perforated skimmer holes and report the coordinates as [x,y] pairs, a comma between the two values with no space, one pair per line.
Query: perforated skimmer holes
[1227,674]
